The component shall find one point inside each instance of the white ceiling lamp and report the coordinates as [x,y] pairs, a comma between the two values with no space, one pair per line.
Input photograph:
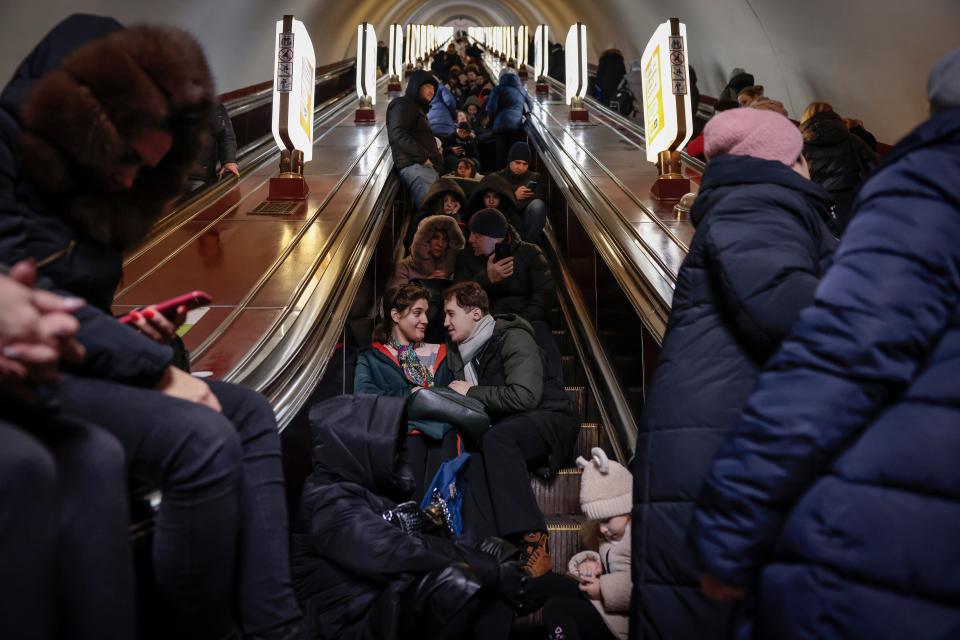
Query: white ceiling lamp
[366,73]
[576,68]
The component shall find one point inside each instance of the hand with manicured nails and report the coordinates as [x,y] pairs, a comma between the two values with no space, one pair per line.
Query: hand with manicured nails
[180,384]
[499,271]
[36,331]
[155,326]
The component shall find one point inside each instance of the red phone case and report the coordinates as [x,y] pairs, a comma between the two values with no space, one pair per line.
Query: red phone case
[168,308]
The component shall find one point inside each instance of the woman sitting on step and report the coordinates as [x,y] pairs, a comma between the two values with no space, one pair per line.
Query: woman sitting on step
[398,363]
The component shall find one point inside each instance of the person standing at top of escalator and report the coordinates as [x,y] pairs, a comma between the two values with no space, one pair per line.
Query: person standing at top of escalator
[610,71]
[761,246]
[507,104]
[220,149]
[412,142]
[98,130]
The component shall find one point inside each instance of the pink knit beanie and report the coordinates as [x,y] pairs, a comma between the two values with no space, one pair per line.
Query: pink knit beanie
[752,132]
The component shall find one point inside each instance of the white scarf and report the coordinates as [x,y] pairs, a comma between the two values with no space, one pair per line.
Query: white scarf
[470,347]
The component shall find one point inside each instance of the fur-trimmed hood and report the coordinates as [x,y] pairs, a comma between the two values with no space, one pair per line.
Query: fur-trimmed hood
[420,248]
[81,96]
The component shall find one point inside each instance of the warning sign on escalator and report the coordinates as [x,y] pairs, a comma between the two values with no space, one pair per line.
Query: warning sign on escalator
[285,63]
[678,66]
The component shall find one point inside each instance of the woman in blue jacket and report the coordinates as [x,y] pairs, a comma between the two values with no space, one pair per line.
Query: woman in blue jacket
[760,248]
[506,105]
[835,504]
[397,364]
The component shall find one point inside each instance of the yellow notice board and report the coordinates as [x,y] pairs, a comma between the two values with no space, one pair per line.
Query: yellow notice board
[306,98]
[653,97]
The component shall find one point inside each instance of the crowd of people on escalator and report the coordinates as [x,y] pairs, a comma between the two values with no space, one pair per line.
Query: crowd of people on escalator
[793,471]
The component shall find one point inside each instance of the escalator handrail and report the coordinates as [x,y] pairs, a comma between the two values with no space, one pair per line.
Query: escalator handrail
[263,96]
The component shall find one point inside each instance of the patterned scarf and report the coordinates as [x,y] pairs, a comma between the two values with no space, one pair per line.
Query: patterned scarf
[413,370]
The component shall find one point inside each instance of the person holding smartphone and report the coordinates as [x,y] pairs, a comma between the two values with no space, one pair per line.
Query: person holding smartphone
[514,273]
[525,185]
[145,94]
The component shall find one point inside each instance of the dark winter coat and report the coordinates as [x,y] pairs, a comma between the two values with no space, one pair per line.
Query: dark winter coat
[507,103]
[350,566]
[610,71]
[759,251]
[411,139]
[558,63]
[220,146]
[78,236]
[529,292]
[517,180]
[443,112]
[836,500]
[839,161]
[509,206]
[520,370]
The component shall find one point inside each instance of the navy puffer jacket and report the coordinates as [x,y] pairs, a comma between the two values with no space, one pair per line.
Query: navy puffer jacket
[760,248]
[838,499]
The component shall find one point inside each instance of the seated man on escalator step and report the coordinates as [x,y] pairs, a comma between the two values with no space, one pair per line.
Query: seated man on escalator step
[528,191]
[499,361]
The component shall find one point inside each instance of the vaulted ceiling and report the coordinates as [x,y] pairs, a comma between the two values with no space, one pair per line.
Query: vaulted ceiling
[867,57]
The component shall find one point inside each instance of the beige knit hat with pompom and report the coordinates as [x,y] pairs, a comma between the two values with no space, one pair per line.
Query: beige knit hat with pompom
[606,487]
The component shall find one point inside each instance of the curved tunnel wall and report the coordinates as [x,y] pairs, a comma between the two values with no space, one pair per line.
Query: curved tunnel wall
[868,57]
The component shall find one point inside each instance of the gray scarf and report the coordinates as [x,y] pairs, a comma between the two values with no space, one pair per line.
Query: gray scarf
[472,346]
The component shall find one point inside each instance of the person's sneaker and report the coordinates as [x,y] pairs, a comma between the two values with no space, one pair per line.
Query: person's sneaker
[535,553]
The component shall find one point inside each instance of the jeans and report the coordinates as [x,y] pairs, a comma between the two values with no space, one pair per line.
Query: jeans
[64,552]
[221,536]
[532,221]
[418,178]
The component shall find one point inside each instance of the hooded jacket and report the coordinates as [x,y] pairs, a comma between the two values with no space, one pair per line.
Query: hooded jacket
[52,149]
[610,71]
[433,201]
[411,139]
[520,370]
[507,103]
[421,264]
[350,566]
[836,498]
[760,248]
[839,161]
[475,121]
[530,292]
[442,112]
[509,206]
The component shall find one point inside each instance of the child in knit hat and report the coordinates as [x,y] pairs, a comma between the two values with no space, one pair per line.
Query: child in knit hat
[601,608]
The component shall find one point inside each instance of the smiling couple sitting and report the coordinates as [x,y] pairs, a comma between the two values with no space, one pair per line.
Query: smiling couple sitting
[509,366]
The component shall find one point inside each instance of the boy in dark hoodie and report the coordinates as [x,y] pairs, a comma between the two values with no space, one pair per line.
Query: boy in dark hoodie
[531,208]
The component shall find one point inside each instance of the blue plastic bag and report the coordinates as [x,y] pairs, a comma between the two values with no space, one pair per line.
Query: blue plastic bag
[447,487]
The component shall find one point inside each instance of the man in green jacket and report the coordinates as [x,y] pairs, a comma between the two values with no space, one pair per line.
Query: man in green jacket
[498,361]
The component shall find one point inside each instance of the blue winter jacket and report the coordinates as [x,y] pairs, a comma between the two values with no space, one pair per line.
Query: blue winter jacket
[836,501]
[760,248]
[443,112]
[506,103]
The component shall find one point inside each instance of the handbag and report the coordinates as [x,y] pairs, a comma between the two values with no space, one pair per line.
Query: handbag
[443,404]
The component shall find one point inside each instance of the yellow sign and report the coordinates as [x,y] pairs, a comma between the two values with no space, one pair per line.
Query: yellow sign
[306,99]
[653,98]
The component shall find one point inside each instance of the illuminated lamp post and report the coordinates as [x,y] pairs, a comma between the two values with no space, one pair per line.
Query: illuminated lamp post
[294,82]
[366,73]
[576,67]
[408,52]
[395,60]
[523,34]
[668,117]
[541,58]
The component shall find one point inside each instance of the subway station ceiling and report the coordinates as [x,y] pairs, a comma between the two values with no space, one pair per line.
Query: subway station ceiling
[867,57]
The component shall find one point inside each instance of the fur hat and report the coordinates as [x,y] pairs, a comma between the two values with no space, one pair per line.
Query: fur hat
[78,121]
[420,249]
[760,133]
[606,487]
[489,222]
[943,84]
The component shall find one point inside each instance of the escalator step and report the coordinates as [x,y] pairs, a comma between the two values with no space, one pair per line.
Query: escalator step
[588,438]
[579,397]
[564,539]
[559,496]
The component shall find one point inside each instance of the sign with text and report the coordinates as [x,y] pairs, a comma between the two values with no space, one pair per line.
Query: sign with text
[668,117]
[293,87]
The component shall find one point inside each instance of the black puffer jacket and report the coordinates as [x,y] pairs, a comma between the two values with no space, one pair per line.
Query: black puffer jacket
[351,567]
[839,161]
[411,139]
[760,249]
[529,292]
